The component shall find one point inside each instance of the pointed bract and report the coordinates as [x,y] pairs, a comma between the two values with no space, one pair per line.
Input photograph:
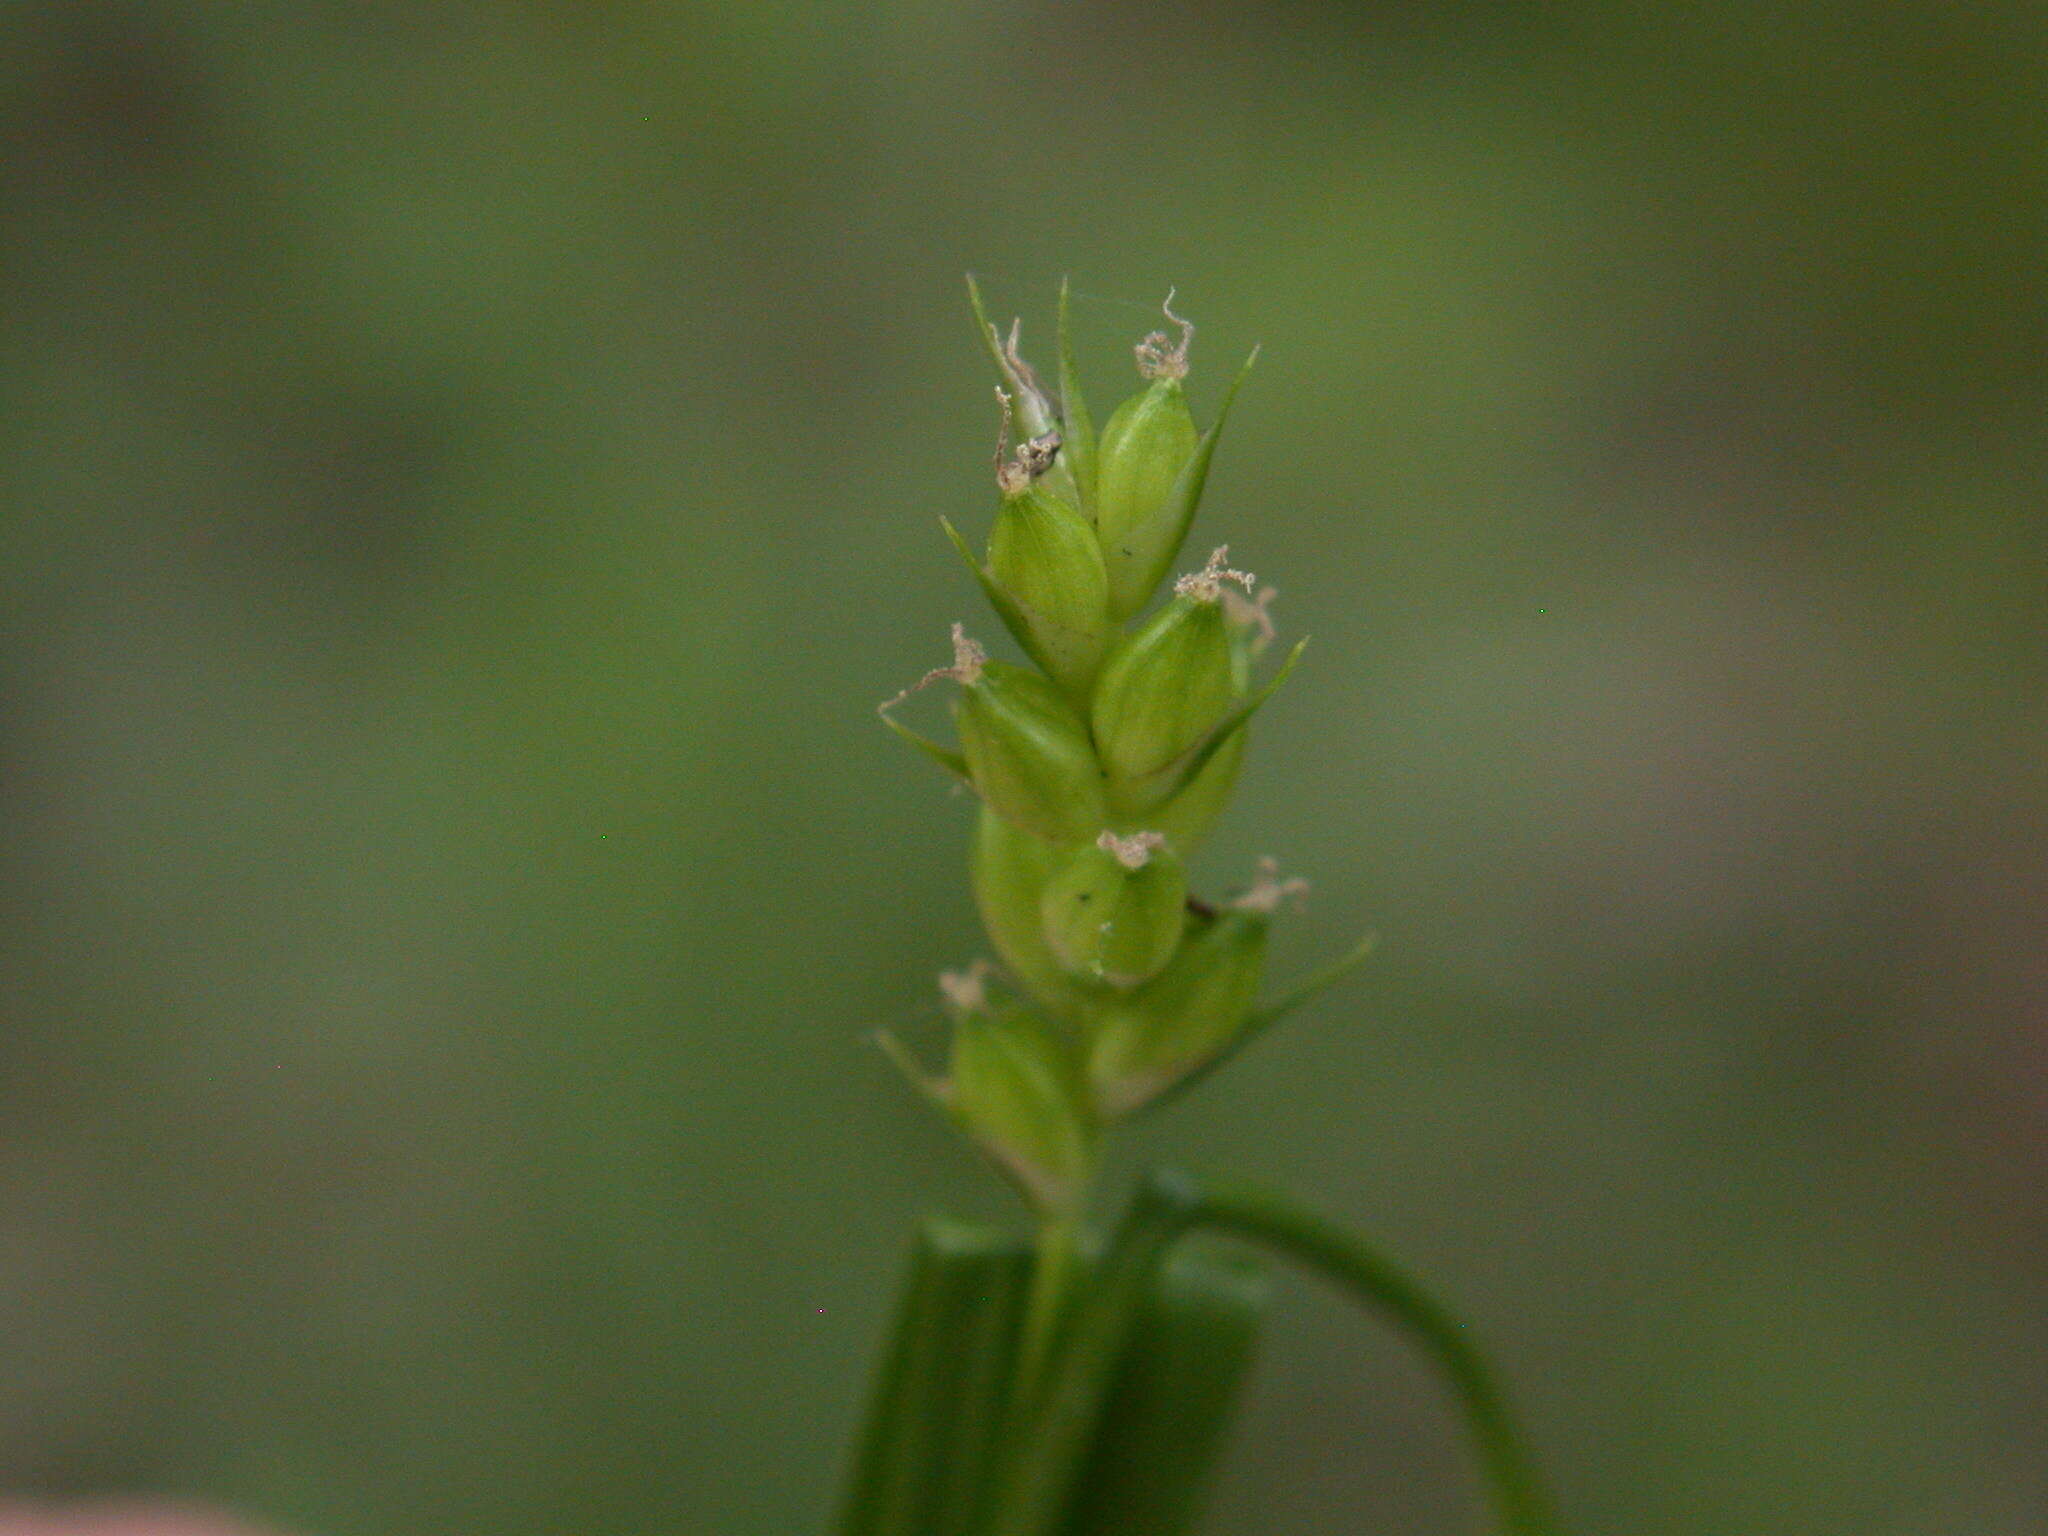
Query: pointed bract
[1075,423]
[1189,814]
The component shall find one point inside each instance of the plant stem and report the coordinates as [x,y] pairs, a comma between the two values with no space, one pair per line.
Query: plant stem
[1052,1277]
[1067,1407]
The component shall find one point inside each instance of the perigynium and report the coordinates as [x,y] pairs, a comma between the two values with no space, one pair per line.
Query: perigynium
[1100,766]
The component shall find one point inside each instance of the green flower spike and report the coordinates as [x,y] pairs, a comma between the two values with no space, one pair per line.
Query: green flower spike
[1114,912]
[1069,1388]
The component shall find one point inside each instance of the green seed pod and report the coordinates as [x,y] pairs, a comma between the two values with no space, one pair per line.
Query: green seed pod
[1047,568]
[1146,1041]
[1014,1088]
[1022,746]
[1028,752]
[1170,683]
[1009,870]
[1145,445]
[1113,913]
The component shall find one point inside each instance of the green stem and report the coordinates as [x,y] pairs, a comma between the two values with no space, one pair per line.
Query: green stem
[1048,1457]
[1052,1277]
[1039,1482]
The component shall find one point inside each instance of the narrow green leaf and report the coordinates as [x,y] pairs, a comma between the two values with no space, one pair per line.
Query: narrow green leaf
[1174,1399]
[1076,424]
[882,1497]
[924,1461]
[1520,1504]
[1039,1481]
[987,1311]
[1043,1469]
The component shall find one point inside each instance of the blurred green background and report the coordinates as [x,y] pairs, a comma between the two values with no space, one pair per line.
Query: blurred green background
[471,470]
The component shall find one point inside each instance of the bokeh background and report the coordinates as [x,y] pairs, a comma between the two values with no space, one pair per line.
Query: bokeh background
[471,470]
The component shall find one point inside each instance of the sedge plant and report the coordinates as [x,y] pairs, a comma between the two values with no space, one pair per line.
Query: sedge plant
[1063,1382]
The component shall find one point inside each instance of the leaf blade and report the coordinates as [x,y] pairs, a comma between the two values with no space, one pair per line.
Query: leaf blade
[924,1458]
[1174,1400]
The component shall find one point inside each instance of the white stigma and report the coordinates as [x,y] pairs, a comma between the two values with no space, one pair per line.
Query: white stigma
[1160,359]
[968,660]
[1010,476]
[1206,585]
[1025,377]
[1015,472]
[1253,613]
[1132,852]
[966,991]
[1269,890]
